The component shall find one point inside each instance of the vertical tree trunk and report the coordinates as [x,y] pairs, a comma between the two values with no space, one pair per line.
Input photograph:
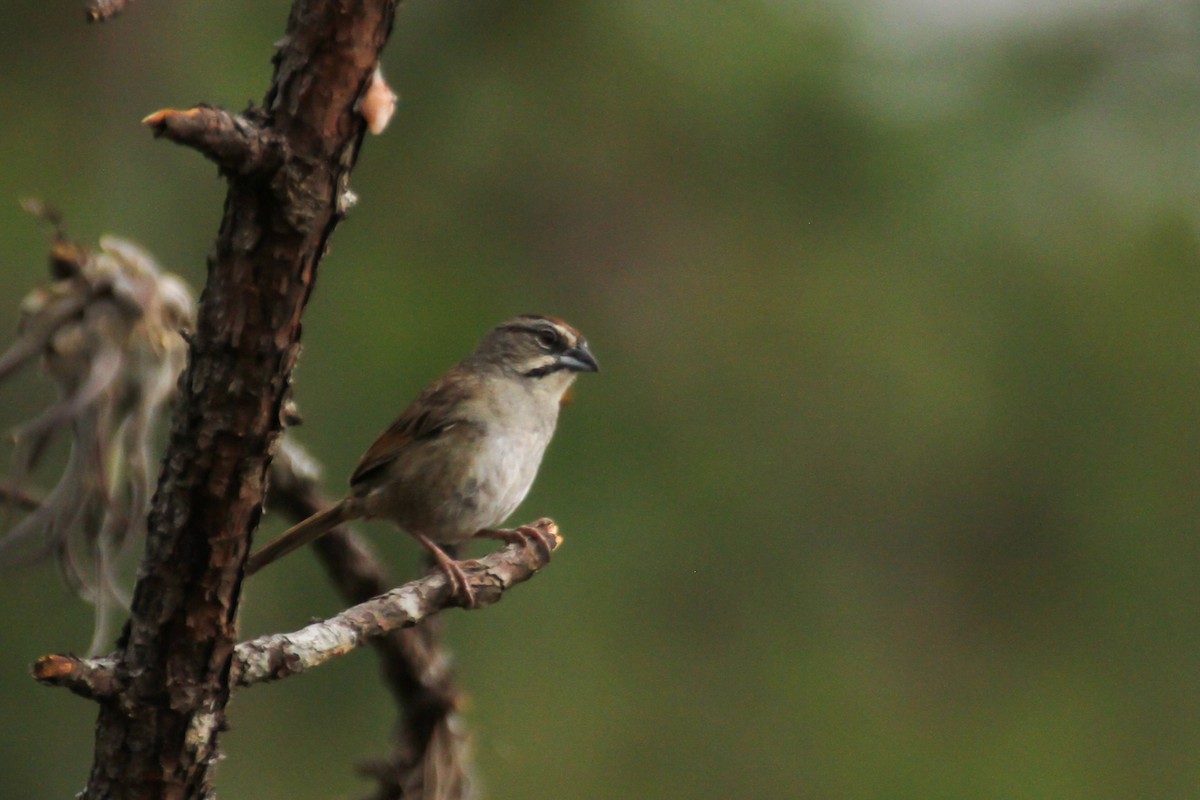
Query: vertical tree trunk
[288,167]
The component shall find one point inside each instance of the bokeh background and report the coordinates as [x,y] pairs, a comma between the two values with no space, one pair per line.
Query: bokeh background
[889,486]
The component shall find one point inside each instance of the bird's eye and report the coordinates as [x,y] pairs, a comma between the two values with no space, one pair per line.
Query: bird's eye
[547,339]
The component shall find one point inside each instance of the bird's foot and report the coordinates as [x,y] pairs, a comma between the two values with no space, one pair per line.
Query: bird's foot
[524,536]
[460,584]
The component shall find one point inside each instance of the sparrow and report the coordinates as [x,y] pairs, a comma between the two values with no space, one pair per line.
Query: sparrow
[460,459]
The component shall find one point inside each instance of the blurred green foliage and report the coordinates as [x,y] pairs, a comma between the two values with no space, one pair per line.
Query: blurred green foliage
[889,487]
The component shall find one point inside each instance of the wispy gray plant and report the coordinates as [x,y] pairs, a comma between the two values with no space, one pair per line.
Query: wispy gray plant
[109,331]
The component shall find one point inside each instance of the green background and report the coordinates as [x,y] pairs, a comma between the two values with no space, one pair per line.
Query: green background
[889,486]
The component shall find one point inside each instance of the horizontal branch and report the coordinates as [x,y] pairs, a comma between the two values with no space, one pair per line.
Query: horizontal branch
[279,655]
[234,142]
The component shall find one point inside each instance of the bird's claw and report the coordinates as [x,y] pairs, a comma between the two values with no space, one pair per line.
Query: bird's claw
[524,535]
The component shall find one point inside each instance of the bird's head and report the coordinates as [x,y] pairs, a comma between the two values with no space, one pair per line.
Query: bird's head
[545,350]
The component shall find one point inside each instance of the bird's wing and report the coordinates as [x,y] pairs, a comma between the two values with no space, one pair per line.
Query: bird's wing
[435,411]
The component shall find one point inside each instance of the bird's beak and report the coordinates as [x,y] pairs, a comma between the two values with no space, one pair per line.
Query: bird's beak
[579,359]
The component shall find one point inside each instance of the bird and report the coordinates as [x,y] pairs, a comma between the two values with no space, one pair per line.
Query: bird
[460,459]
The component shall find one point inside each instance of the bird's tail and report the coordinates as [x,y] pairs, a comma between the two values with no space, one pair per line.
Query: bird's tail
[301,534]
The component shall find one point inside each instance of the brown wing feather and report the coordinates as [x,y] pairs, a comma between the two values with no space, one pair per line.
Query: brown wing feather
[435,411]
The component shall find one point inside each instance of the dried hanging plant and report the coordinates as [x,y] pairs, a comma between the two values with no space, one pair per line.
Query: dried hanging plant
[109,330]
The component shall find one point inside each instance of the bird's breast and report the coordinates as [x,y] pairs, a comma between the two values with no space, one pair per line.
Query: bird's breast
[472,478]
[503,471]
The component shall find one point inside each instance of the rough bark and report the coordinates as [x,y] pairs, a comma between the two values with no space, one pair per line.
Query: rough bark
[158,738]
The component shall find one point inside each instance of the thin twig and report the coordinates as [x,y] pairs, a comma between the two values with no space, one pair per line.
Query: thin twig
[234,142]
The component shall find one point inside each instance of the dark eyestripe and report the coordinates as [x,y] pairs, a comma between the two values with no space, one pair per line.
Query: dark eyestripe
[541,372]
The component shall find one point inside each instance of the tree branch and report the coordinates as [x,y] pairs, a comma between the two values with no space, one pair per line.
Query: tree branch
[175,657]
[90,678]
[235,143]
[281,655]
